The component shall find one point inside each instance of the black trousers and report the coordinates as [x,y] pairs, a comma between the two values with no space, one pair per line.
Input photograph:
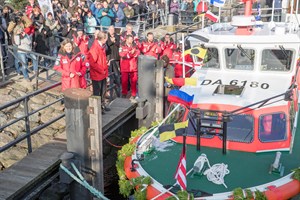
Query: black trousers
[115,70]
[99,88]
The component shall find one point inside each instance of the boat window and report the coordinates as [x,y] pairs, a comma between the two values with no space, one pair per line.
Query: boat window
[240,128]
[276,59]
[177,115]
[239,58]
[272,127]
[211,59]
[208,118]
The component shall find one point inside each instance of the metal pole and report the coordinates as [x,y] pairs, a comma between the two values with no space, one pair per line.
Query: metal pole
[1,64]
[37,73]
[159,104]
[225,121]
[183,57]
[27,124]
[273,6]
[153,14]
[198,123]
[219,15]
[202,17]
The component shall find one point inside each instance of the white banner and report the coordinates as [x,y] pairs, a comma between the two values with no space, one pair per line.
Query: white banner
[46,7]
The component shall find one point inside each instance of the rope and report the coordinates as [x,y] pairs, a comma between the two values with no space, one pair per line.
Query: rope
[215,173]
[112,144]
[82,181]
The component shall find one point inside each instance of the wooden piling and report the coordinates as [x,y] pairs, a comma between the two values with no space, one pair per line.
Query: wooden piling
[77,126]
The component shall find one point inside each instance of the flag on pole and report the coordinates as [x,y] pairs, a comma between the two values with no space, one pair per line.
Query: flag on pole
[178,96]
[211,16]
[217,3]
[180,175]
[196,51]
[170,131]
[182,81]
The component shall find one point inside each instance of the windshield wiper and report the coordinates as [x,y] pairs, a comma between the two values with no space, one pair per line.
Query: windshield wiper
[245,52]
[286,56]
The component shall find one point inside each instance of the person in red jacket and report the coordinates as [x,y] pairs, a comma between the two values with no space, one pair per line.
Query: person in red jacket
[177,57]
[99,66]
[71,65]
[150,47]
[81,40]
[129,53]
[167,46]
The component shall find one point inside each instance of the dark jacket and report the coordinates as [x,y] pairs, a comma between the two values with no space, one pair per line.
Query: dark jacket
[42,42]
[113,47]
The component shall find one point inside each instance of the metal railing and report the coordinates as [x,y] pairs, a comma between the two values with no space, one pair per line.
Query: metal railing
[185,29]
[26,117]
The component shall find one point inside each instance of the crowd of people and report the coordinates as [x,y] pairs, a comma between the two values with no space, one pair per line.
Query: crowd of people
[71,35]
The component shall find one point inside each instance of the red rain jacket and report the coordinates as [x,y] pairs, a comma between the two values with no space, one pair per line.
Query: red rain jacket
[65,65]
[150,49]
[129,60]
[82,43]
[177,56]
[98,62]
[167,48]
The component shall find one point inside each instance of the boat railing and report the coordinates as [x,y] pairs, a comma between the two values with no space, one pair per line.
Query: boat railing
[29,130]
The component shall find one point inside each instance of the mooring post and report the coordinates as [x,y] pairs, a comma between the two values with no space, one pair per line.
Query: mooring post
[95,134]
[77,126]
[146,75]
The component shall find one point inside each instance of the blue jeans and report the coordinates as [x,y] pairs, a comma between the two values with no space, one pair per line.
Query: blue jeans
[24,58]
[16,59]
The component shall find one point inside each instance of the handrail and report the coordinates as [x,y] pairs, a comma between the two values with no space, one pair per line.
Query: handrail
[183,29]
[29,95]
[32,52]
[29,132]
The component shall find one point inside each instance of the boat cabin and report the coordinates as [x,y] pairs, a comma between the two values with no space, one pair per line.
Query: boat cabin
[239,70]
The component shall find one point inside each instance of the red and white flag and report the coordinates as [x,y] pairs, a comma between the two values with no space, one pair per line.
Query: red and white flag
[211,16]
[180,175]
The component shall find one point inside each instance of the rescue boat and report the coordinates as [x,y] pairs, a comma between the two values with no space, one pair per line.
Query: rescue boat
[244,116]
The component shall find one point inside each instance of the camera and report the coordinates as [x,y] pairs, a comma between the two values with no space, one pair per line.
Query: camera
[15,17]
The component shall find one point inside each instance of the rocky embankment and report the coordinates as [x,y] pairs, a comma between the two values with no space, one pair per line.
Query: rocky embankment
[16,89]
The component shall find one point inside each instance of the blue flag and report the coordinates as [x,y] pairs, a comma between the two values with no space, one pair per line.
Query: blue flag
[217,3]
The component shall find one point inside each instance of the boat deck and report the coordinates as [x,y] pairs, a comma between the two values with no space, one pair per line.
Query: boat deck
[246,169]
